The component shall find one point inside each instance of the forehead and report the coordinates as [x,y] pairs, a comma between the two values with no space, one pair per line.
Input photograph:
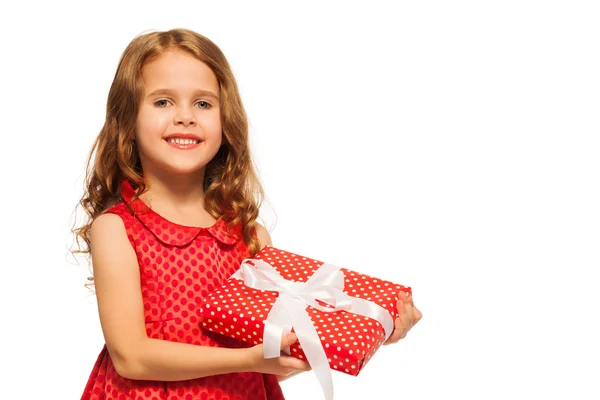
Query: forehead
[180,71]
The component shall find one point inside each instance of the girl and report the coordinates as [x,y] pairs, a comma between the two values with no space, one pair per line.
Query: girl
[172,200]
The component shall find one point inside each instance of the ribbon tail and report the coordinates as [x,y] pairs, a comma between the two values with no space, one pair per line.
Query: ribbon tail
[276,324]
[311,344]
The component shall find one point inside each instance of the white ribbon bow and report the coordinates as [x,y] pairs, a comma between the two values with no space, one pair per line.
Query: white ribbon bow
[289,310]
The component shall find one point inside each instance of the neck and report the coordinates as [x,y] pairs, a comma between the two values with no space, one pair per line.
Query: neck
[180,191]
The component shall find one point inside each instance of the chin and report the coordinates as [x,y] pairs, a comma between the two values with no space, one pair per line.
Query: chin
[183,169]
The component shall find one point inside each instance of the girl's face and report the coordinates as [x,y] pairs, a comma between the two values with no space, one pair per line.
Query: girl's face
[178,127]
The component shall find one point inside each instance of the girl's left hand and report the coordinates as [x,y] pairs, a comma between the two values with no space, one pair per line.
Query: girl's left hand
[408,316]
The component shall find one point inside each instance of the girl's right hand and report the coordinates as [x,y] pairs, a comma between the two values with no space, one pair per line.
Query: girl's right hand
[282,366]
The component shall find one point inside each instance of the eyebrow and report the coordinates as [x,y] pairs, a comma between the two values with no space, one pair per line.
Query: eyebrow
[203,92]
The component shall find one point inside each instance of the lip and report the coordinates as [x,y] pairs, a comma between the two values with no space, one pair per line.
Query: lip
[182,135]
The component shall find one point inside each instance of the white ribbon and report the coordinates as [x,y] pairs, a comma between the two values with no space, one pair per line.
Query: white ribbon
[289,310]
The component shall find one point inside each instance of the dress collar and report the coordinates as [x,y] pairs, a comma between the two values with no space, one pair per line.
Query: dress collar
[169,232]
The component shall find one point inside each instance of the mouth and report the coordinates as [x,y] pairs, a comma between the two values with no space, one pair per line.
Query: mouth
[182,141]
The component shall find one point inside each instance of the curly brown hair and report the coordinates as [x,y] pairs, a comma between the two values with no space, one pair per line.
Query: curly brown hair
[231,186]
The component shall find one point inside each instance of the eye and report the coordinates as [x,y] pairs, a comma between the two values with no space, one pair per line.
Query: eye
[161,103]
[204,104]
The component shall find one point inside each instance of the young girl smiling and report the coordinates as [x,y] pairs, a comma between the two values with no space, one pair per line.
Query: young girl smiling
[172,200]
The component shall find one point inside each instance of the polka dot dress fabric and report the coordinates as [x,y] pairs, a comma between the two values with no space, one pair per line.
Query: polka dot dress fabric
[179,267]
[349,340]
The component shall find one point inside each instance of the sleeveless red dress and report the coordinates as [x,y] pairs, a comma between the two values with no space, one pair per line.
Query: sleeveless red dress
[179,266]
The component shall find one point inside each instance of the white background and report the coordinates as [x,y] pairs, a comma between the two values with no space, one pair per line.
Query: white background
[448,146]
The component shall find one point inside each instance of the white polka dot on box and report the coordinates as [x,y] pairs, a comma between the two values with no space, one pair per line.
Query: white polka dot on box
[348,339]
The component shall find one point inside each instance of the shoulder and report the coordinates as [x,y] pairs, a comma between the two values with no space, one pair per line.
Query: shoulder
[107,219]
[116,219]
[110,243]
[263,235]
[107,225]
[120,209]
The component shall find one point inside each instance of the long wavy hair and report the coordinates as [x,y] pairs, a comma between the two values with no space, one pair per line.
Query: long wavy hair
[231,186]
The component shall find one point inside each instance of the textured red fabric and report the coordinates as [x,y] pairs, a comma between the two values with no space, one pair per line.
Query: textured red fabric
[179,267]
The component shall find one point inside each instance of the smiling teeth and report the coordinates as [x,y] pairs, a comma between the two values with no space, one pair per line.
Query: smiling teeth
[183,141]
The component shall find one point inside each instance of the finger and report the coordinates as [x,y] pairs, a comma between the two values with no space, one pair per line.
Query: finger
[406,298]
[403,321]
[411,311]
[402,296]
[293,362]
[398,333]
[415,316]
[418,315]
[394,337]
[410,317]
[401,306]
[404,333]
[403,299]
[288,340]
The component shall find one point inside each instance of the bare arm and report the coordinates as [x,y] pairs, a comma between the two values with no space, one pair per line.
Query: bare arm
[120,305]
[263,235]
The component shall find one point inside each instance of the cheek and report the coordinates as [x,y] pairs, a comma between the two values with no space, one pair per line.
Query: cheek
[215,134]
[213,127]
[150,124]
[210,121]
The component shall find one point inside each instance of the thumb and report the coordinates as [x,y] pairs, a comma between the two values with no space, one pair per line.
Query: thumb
[288,340]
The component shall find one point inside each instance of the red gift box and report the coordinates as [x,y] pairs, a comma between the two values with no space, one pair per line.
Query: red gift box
[349,340]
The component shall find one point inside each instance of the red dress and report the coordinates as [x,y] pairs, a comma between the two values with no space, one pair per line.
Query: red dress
[179,266]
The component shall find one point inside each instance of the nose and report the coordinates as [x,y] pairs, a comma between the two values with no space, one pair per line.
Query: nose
[184,117]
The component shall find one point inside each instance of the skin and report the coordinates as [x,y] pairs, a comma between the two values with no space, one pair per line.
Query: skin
[408,316]
[190,106]
[175,192]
